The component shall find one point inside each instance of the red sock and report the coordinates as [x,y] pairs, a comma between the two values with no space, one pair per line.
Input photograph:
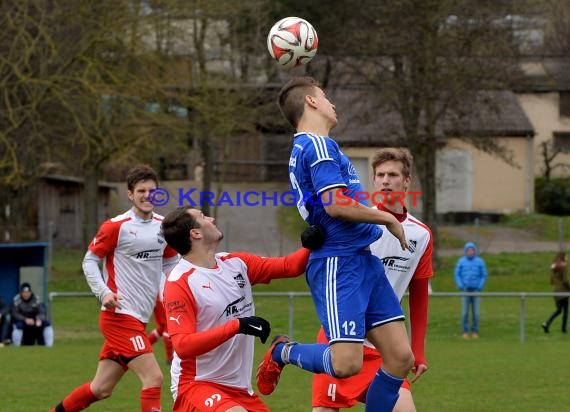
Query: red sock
[167,347]
[79,399]
[150,400]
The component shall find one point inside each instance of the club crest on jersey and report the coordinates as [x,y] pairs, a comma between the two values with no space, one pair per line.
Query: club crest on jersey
[413,245]
[351,170]
[240,280]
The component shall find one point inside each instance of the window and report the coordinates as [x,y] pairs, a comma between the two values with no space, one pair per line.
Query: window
[562,141]
[564,105]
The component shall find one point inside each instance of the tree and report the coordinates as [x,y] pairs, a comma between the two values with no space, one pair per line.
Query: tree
[557,34]
[549,153]
[425,60]
[108,75]
[27,55]
[217,98]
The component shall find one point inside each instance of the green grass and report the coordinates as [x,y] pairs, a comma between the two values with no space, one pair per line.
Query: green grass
[446,240]
[494,373]
[543,227]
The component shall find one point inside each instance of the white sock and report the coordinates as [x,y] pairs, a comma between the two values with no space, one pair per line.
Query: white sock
[48,335]
[17,335]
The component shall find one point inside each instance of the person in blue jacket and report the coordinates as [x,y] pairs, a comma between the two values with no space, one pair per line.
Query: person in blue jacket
[470,276]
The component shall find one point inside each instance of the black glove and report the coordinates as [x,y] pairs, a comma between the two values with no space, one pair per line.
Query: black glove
[256,326]
[313,237]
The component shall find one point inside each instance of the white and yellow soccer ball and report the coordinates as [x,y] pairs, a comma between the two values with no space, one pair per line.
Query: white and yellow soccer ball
[292,42]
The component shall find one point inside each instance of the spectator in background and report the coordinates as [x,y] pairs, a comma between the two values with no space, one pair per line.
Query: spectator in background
[4,323]
[470,276]
[29,319]
[559,282]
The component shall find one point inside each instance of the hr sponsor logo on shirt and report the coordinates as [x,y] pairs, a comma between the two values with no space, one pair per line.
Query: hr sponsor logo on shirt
[397,263]
[236,308]
[194,197]
[151,254]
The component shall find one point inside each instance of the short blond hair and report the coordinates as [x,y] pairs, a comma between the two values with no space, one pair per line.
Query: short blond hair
[397,155]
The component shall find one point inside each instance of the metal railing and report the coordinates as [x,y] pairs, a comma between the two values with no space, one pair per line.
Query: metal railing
[291,295]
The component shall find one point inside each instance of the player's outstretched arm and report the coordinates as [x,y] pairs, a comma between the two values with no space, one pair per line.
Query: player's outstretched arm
[342,207]
[264,269]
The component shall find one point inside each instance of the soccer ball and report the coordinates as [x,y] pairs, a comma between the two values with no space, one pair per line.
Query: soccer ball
[292,41]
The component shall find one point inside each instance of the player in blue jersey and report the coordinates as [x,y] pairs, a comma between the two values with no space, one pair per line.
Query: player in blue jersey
[351,293]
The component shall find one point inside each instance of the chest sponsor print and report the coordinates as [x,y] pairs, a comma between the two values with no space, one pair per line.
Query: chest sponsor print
[396,263]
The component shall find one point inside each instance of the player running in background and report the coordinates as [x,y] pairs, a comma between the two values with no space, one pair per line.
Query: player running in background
[352,296]
[210,310]
[406,270]
[134,255]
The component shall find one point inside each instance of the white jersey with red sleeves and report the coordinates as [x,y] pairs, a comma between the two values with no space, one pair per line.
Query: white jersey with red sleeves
[133,249]
[202,301]
[401,266]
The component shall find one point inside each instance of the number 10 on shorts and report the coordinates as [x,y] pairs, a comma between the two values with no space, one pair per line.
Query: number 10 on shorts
[138,343]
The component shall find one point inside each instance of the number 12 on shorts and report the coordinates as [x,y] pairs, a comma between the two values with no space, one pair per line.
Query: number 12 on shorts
[349,327]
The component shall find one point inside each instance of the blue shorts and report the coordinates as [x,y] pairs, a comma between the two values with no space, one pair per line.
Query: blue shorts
[352,295]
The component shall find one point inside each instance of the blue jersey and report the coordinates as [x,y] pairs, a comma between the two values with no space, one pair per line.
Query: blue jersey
[317,165]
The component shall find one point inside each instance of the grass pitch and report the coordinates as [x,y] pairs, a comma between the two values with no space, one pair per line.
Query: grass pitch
[493,373]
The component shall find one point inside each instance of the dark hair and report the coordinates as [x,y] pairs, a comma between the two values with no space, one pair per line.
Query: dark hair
[139,174]
[397,155]
[176,228]
[291,98]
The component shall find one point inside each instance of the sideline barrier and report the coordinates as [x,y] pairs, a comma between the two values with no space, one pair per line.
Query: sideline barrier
[291,295]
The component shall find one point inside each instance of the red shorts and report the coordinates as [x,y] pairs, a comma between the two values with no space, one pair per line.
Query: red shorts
[212,397]
[125,338]
[345,393]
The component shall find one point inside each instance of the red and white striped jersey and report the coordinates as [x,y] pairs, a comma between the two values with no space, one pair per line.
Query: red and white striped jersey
[134,253]
[403,265]
[202,306]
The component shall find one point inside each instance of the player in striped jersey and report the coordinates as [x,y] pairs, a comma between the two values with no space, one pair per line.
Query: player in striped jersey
[406,270]
[134,256]
[351,293]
